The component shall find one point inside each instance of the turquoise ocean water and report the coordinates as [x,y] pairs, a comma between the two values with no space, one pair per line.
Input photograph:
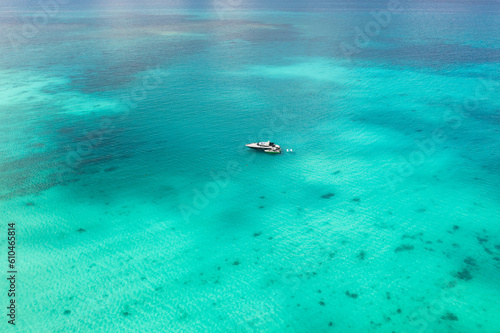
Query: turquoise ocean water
[139,209]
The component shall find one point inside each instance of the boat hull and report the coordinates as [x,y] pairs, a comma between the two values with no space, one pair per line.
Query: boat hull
[257,147]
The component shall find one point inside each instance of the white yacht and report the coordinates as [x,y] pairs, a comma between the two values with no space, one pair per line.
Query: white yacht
[268,147]
[262,145]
